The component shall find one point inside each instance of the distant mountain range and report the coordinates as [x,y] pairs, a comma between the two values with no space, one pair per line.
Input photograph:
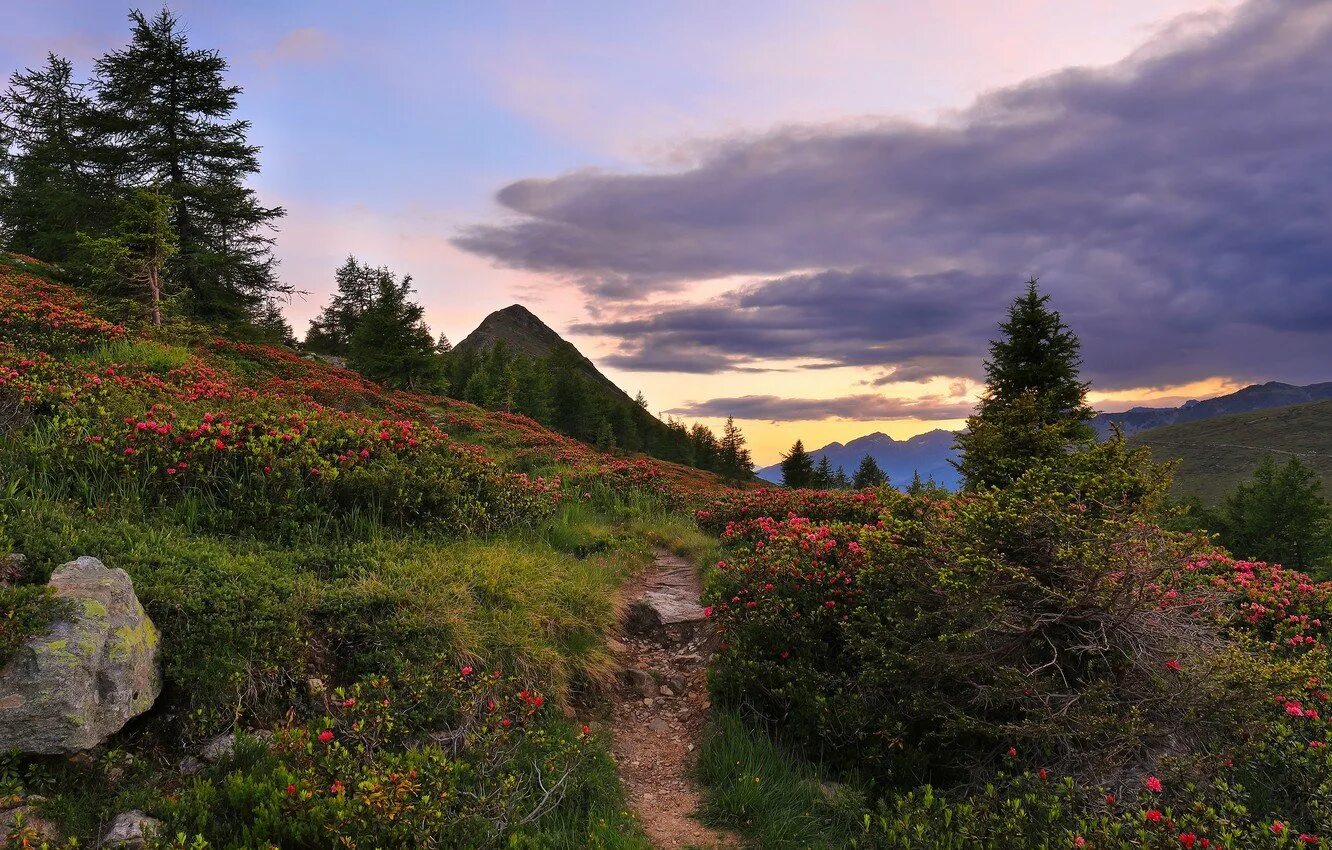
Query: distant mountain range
[930,453]
[1252,397]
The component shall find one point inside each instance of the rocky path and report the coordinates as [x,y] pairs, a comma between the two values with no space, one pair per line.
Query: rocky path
[660,703]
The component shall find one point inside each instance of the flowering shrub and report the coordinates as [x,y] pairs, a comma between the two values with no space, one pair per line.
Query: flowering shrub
[856,506]
[444,757]
[1051,624]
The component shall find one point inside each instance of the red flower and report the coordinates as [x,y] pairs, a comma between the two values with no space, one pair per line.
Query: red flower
[467,671]
[1152,784]
[587,729]
[1172,664]
[1186,839]
[1278,827]
[1153,815]
[1012,752]
[1043,773]
[506,723]
[291,790]
[325,736]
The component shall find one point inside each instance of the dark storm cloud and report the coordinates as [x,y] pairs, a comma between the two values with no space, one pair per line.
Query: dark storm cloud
[1177,205]
[866,407]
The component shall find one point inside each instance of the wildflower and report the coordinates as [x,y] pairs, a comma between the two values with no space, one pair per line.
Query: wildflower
[1174,664]
[291,790]
[1309,838]
[506,723]
[1186,839]
[1152,784]
[349,702]
[325,736]
[1079,842]
[337,787]
[1153,815]
[1278,827]
[1043,773]
[467,671]
[586,729]
[1012,752]
[1109,799]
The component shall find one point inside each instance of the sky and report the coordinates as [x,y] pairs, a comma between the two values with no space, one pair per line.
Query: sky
[808,215]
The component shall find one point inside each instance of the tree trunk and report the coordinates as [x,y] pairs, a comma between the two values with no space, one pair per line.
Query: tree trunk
[155,291]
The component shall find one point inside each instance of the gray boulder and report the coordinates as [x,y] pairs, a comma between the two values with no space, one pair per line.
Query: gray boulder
[73,686]
[130,831]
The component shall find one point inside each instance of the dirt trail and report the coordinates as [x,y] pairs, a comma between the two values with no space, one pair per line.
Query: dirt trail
[661,703]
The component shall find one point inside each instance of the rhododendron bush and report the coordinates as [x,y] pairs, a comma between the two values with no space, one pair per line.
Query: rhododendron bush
[1052,626]
[256,437]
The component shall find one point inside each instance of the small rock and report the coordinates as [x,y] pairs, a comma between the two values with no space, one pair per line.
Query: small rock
[315,686]
[658,726]
[130,830]
[690,748]
[648,701]
[639,680]
[666,691]
[219,748]
[189,766]
[689,659]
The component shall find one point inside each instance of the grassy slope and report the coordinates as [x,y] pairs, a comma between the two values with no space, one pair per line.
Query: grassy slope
[1216,454]
[250,615]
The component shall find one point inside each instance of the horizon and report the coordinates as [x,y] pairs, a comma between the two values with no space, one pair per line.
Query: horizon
[805,220]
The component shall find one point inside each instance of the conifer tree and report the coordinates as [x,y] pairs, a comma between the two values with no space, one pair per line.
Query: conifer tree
[442,345]
[1034,406]
[1281,516]
[823,474]
[868,474]
[391,343]
[169,110]
[735,461]
[131,261]
[797,467]
[840,481]
[53,189]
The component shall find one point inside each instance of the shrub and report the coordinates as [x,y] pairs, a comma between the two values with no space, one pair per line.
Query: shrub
[437,758]
[1051,617]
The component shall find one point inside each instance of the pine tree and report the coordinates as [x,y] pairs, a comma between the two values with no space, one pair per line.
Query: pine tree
[131,261]
[1034,405]
[823,474]
[840,481]
[868,474]
[1280,516]
[168,108]
[797,467]
[391,344]
[442,345]
[735,461]
[53,189]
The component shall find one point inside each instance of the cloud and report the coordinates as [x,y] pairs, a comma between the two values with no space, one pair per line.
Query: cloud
[307,45]
[1175,204]
[864,408]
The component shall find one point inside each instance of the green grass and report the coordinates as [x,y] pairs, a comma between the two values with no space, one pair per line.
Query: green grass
[156,357]
[1216,454]
[752,786]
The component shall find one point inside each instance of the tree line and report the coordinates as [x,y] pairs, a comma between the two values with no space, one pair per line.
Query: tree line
[134,181]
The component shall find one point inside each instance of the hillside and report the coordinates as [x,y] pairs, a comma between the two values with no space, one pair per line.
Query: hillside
[1250,398]
[927,453]
[526,335]
[1216,454]
[375,615]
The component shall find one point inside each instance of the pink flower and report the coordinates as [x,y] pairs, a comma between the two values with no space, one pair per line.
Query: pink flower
[1152,784]
[1012,752]
[467,671]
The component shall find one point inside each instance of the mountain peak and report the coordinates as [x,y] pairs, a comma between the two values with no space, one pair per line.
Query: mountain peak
[523,333]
